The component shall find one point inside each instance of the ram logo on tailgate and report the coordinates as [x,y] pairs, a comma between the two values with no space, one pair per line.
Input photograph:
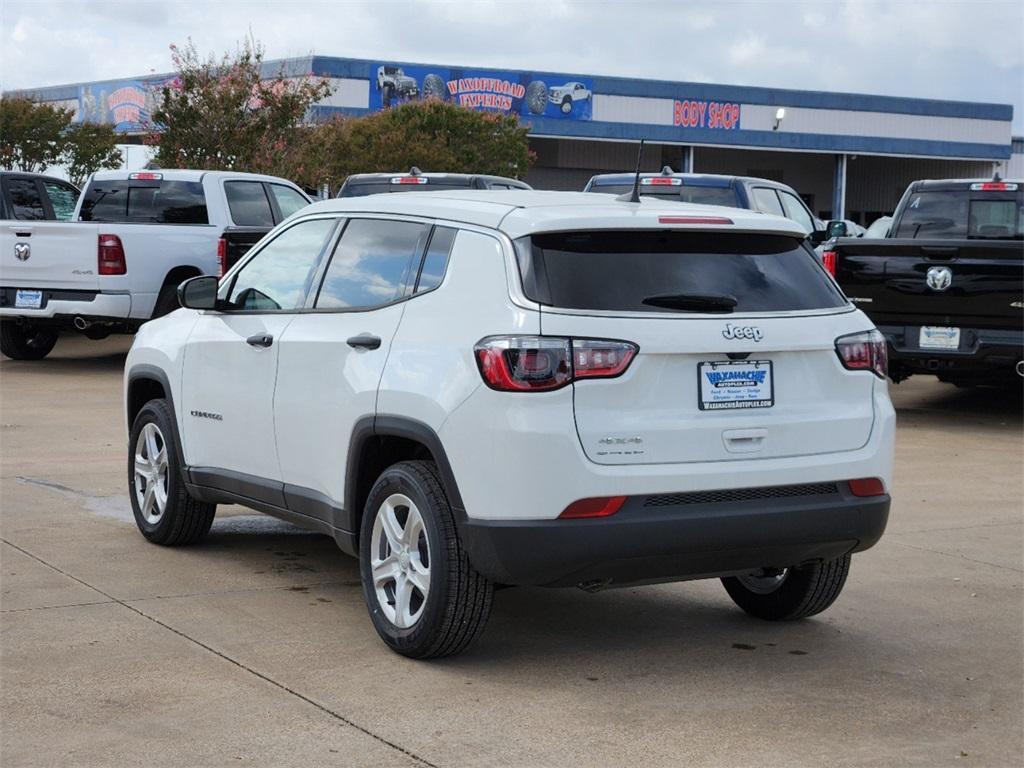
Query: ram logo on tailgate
[22,251]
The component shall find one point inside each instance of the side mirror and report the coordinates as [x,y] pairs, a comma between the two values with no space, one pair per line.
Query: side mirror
[199,292]
[818,236]
[836,228]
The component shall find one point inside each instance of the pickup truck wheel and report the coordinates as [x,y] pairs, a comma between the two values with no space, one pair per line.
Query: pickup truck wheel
[567,105]
[166,301]
[789,593]
[537,97]
[26,342]
[424,597]
[164,511]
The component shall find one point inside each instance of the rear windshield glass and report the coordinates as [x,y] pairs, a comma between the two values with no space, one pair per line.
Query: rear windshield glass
[145,202]
[962,214]
[685,194]
[373,188]
[616,270]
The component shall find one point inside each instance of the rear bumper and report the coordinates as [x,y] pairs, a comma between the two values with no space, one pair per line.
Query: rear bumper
[62,306]
[673,542]
[981,351]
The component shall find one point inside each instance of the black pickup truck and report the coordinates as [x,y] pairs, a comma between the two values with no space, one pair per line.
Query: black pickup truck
[946,287]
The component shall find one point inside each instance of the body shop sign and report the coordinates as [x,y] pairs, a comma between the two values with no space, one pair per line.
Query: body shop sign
[717,115]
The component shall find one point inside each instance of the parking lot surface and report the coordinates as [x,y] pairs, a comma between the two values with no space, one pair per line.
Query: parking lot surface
[254,647]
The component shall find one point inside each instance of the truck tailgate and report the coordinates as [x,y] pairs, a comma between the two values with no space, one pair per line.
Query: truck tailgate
[49,254]
[889,280]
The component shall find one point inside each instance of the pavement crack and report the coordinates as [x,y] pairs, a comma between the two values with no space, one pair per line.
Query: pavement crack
[958,555]
[220,654]
[55,607]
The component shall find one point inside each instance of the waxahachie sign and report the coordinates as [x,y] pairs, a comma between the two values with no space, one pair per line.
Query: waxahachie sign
[528,94]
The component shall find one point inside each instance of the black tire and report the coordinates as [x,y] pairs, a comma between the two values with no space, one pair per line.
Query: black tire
[185,520]
[566,105]
[537,97]
[805,591]
[26,342]
[387,93]
[166,301]
[459,599]
[434,88]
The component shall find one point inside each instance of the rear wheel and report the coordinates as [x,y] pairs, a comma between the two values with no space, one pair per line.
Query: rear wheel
[164,511]
[23,341]
[424,597]
[784,594]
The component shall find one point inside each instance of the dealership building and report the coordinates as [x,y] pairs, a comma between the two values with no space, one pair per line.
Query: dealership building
[848,155]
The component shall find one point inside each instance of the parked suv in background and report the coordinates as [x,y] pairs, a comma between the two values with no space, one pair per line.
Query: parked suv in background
[35,197]
[360,184]
[470,389]
[143,232]
[710,189]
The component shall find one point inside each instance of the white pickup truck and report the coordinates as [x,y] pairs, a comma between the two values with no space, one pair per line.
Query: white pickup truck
[136,236]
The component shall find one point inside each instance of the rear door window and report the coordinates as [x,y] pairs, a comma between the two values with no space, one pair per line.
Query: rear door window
[145,202]
[372,264]
[26,202]
[766,201]
[617,270]
[288,200]
[435,262]
[795,211]
[248,203]
[62,199]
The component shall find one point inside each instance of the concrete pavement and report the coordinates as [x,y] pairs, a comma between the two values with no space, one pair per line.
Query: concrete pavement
[254,648]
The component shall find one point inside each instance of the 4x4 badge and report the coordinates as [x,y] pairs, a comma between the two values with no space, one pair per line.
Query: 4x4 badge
[742,332]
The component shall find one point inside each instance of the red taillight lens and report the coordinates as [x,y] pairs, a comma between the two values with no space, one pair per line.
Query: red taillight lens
[867,486]
[222,257]
[110,259]
[601,506]
[543,363]
[828,261]
[864,351]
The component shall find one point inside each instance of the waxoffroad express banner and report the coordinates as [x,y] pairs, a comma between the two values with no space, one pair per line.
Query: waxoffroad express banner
[519,93]
[127,105]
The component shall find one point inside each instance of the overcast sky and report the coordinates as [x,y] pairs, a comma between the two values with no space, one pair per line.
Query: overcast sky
[970,51]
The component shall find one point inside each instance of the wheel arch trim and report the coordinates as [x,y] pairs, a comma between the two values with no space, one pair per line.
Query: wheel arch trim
[153,373]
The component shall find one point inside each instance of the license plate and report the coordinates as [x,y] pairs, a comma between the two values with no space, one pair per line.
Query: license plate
[937,337]
[736,384]
[28,299]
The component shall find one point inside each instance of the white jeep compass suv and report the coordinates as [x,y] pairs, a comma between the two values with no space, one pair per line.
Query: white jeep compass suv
[470,389]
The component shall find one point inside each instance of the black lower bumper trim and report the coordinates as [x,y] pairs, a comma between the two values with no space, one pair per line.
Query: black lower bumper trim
[674,543]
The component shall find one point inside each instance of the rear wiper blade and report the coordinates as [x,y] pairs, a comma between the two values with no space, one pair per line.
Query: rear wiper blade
[693,302]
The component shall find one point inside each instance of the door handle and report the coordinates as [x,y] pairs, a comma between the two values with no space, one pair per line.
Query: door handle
[260,340]
[365,341]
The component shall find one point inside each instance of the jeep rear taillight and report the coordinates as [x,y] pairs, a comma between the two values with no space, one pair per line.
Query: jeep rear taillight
[544,363]
[110,256]
[864,351]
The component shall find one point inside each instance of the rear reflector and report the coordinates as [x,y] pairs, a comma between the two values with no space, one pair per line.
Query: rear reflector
[828,261]
[661,181]
[145,176]
[408,180]
[694,220]
[110,258]
[993,186]
[601,506]
[867,486]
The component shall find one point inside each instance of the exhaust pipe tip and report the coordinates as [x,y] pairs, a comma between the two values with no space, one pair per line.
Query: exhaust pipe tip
[1020,368]
[81,323]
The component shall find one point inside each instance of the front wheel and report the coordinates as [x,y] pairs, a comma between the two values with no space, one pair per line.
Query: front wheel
[22,341]
[784,594]
[164,511]
[424,596]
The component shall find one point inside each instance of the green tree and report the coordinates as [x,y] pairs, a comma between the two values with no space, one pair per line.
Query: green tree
[31,134]
[433,135]
[89,147]
[223,114]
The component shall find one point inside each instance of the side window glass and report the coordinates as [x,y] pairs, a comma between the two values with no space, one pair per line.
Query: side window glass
[26,204]
[248,204]
[371,265]
[766,201]
[436,259]
[796,211]
[62,198]
[288,200]
[280,275]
